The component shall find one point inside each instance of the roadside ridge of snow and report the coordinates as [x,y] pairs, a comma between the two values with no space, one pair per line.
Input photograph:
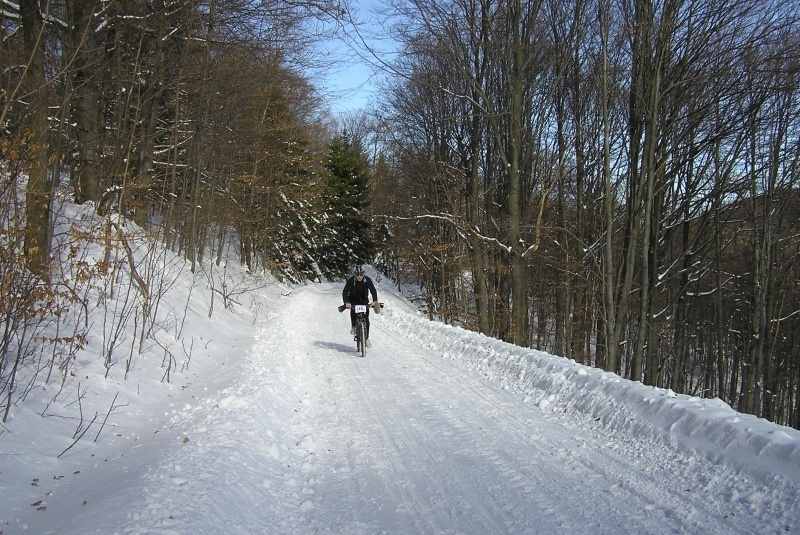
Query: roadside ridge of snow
[706,426]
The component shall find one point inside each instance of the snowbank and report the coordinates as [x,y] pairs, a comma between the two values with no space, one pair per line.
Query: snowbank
[709,427]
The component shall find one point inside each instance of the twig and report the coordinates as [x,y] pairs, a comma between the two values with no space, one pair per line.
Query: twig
[79,437]
[189,354]
[132,263]
[111,408]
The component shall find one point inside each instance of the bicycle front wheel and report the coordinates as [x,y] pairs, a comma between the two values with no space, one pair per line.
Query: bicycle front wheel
[361,337]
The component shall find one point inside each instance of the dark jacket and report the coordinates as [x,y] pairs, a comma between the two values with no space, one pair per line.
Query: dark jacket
[357,293]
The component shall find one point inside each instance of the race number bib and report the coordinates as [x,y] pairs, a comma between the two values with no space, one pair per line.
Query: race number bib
[361,309]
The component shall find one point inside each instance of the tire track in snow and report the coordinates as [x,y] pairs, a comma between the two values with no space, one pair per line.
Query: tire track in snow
[419,462]
[523,488]
[374,466]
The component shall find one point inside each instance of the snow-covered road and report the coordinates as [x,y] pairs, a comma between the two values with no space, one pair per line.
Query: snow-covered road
[407,442]
[299,435]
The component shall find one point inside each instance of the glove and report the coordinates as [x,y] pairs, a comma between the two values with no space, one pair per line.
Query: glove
[377,308]
[341,308]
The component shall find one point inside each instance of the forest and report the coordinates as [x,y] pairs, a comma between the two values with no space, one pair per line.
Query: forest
[611,181]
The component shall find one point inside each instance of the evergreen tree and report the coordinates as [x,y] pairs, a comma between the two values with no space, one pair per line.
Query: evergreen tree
[347,235]
[293,218]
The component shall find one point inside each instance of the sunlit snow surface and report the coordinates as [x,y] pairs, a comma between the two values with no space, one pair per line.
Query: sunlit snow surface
[272,424]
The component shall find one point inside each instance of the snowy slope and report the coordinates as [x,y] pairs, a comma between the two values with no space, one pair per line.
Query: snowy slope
[276,426]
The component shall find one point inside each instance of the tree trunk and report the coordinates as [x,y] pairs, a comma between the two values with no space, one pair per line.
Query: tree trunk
[86,108]
[607,336]
[519,294]
[38,192]
[477,245]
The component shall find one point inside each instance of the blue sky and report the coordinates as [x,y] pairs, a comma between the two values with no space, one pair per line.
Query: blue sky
[350,83]
[350,86]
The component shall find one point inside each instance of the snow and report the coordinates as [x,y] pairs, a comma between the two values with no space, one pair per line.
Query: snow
[271,424]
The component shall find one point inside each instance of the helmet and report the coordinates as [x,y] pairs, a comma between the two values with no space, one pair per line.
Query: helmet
[359,270]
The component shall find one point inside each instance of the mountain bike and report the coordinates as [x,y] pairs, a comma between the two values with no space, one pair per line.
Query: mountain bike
[361,326]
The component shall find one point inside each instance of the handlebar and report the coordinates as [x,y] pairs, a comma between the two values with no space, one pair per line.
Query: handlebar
[342,308]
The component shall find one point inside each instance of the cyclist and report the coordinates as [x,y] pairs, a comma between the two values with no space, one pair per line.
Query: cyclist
[356,291]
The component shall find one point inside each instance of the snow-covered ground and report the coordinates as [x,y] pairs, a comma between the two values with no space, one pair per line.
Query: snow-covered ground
[271,424]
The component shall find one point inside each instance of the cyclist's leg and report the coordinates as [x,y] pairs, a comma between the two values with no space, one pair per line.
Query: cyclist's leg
[367,320]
